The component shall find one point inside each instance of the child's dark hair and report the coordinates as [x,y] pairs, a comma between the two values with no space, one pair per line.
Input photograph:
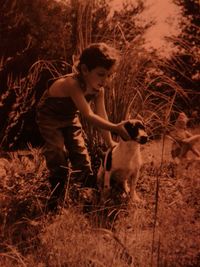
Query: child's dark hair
[98,55]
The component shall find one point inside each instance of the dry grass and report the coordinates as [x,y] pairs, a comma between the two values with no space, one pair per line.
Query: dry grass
[30,237]
[162,231]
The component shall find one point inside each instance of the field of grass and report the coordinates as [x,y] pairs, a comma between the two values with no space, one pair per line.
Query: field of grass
[162,231]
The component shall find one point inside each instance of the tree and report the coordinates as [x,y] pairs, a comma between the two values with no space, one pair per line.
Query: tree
[187,60]
[37,30]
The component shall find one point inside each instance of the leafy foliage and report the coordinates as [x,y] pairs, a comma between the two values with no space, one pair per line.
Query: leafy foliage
[42,25]
[187,60]
[119,27]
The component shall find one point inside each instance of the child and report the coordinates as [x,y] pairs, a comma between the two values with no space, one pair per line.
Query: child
[58,116]
[184,141]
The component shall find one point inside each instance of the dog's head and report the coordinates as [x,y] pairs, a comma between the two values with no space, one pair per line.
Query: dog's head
[136,131]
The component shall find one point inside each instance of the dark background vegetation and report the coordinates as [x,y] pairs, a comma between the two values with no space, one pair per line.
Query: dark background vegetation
[41,39]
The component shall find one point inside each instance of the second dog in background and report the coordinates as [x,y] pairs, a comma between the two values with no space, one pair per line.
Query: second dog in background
[122,163]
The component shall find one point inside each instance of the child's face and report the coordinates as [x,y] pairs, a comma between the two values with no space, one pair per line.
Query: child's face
[96,78]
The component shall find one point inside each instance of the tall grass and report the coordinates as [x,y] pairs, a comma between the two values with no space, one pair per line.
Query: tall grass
[21,93]
[161,231]
[31,237]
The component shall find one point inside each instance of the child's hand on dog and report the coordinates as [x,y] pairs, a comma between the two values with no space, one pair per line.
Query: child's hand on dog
[122,132]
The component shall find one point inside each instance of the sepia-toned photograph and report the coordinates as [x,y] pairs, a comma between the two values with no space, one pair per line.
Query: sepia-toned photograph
[100,133]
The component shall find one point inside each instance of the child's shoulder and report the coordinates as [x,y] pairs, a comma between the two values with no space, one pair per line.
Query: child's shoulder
[68,80]
[64,86]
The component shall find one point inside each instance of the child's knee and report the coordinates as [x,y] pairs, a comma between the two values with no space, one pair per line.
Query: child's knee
[55,157]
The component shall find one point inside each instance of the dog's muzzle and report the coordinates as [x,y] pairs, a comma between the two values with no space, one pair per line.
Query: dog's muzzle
[143,139]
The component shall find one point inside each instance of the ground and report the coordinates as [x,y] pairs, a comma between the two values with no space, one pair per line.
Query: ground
[162,230]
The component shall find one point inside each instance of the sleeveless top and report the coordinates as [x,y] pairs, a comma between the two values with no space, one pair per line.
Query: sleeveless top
[52,108]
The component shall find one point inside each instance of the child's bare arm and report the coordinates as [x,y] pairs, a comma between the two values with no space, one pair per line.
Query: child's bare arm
[188,134]
[79,99]
[101,111]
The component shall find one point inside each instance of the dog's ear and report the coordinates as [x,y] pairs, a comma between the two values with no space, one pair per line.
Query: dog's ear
[140,124]
[132,131]
[140,118]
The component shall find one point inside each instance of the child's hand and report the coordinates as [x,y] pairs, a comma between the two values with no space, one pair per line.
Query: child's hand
[122,132]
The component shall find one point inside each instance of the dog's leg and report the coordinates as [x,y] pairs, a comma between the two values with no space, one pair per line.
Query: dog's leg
[133,183]
[126,186]
[100,177]
[106,186]
[107,181]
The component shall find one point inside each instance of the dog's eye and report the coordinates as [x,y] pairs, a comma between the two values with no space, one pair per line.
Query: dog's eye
[140,125]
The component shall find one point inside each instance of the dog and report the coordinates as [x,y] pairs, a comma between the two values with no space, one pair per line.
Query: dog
[122,162]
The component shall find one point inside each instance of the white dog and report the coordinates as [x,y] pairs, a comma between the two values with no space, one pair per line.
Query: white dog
[122,163]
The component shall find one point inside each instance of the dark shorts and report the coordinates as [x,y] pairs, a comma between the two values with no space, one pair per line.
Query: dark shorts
[64,144]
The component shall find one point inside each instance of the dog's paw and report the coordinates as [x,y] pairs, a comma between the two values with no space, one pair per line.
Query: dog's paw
[127,189]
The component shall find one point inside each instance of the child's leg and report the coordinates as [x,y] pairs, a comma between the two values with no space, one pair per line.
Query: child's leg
[195,151]
[192,141]
[56,158]
[78,153]
[175,150]
[185,147]
[180,149]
